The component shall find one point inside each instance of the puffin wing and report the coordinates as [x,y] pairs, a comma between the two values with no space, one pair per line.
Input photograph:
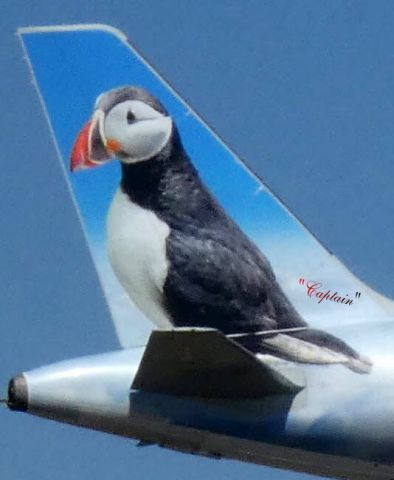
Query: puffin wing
[219,279]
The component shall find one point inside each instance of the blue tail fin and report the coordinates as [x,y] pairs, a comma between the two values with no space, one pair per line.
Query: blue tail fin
[71,67]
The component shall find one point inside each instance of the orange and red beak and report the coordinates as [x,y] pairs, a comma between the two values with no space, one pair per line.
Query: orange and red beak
[89,149]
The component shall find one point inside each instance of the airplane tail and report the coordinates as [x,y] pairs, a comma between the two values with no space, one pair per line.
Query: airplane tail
[266,407]
[325,293]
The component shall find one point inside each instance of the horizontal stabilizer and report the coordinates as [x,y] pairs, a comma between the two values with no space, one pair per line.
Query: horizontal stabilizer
[205,363]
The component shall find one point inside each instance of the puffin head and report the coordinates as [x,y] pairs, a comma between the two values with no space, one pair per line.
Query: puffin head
[128,123]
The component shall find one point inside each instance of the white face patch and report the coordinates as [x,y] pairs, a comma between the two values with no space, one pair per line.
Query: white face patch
[141,130]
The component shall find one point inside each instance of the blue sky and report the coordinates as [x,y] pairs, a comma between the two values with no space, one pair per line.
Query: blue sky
[304,92]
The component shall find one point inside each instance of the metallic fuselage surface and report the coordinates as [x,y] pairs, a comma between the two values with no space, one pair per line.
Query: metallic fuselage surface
[344,416]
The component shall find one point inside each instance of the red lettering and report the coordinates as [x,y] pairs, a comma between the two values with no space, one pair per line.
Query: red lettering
[311,287]
[312,290]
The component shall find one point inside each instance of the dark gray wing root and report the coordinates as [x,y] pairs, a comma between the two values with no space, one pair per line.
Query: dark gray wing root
[221,280]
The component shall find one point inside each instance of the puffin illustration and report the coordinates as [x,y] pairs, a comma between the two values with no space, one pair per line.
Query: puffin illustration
[182,260]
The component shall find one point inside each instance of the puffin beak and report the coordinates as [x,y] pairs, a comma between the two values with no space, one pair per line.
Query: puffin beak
[89,149]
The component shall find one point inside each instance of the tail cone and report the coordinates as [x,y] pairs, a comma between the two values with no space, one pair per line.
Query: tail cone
[17,394]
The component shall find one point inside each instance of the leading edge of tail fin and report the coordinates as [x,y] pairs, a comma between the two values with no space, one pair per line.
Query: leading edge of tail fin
[325,293]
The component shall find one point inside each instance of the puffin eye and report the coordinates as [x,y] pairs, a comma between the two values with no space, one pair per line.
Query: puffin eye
[130,117]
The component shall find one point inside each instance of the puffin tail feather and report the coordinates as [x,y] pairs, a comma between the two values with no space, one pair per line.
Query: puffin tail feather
[309,346]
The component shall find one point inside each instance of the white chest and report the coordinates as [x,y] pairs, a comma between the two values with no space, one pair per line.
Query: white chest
[137,252]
